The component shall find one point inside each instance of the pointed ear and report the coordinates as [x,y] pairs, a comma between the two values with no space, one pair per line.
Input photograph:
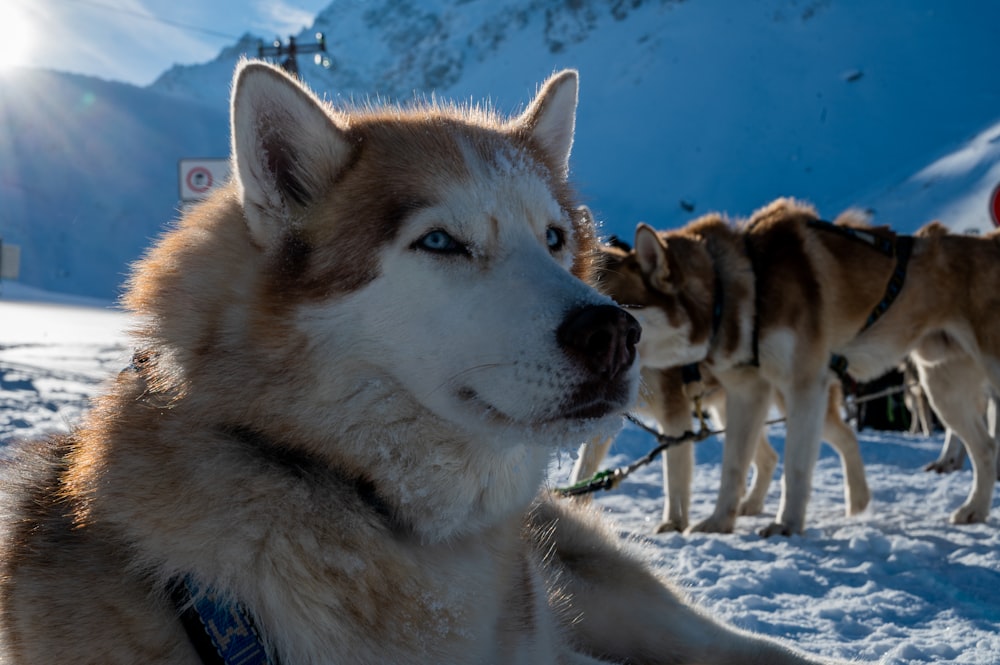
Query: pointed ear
[651,253]
[551,117]
[286,147]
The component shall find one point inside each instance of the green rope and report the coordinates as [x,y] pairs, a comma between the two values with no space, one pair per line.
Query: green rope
[609,479]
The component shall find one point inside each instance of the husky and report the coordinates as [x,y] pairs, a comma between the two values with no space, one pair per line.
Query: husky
[915,401]
[946,368]
[775,302]
[668,396]
[671,402]
[354,364]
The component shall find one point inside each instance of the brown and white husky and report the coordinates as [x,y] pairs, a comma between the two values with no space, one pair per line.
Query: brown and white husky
[768,303]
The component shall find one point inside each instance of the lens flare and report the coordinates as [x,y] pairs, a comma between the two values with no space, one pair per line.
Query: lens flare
[19,34]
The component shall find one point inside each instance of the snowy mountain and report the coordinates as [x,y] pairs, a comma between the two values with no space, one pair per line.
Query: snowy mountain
[685,107]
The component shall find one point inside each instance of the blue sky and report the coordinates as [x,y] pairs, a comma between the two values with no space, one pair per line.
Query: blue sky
[136,40]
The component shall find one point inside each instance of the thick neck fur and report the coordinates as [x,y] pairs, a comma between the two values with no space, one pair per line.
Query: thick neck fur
[726,248]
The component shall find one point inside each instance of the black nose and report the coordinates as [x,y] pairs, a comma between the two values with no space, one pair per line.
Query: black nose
[602,336]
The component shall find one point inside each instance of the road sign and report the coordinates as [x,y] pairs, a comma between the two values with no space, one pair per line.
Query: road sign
[995,205]
[10,261]
[198,177]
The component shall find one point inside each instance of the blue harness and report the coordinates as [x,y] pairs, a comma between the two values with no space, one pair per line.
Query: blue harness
[221,633]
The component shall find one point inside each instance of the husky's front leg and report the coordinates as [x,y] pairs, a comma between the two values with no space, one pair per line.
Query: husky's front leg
[806,406]
[615,608]
[748,397]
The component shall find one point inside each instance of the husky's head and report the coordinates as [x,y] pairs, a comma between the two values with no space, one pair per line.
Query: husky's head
[434,248]
[667,282]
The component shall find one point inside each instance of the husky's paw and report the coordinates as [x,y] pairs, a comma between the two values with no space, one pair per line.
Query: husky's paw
[945,465]
[858,499]
[713,525]
[670,526]
[752,506]
[778,529]
[969,515]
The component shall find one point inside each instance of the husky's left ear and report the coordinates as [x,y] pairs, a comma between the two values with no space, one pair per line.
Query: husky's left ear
[551,117]
[285,148]
[652,255]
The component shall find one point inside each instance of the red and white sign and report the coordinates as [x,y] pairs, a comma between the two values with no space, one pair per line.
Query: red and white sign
[995,206]
[198,177]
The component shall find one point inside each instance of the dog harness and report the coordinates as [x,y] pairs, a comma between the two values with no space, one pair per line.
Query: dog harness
[690,373]
[899,247]
[222,633]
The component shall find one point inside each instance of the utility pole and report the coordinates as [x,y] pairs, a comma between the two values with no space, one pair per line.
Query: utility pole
[289,52]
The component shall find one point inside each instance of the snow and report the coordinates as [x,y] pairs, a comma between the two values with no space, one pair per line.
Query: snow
[897,583]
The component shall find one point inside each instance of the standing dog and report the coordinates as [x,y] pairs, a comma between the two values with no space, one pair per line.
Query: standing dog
[670,401]
[951,376]
[358,360]
[667,398]
[791,291]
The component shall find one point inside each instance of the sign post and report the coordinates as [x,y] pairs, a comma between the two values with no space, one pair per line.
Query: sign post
[10,261]
[198,177]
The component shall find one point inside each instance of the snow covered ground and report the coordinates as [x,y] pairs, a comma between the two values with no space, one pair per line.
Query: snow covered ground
[897,583]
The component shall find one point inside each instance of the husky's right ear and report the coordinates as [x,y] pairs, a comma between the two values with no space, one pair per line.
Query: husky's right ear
[285,148]
[651,253]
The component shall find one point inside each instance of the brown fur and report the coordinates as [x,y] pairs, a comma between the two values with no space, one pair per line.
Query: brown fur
[813,290]
[670,402]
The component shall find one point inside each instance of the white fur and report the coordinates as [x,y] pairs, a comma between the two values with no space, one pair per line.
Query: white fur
[663,345]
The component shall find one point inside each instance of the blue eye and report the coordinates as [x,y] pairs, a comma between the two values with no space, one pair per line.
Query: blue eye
[440,242]
[555,239]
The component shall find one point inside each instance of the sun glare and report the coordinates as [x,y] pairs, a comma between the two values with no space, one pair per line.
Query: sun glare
[18,34]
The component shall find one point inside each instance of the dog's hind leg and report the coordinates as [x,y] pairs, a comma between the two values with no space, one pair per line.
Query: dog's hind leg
[991,423]
[617,609]
[952,455]
[588,461]
[748,397]
[837,433]
[954,389]
[765,461]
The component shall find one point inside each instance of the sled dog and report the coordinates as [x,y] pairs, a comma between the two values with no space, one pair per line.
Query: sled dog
[666,396]
[354,364]
[768,305]
[671,403]
[944,367]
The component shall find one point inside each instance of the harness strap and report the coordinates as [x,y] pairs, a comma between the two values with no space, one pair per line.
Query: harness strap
[904,247]
[880,243]
[222,634]
[690,373]
[755,333]
[900,247]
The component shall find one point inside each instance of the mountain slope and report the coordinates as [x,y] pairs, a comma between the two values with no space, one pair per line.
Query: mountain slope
[88,173]
[686,107]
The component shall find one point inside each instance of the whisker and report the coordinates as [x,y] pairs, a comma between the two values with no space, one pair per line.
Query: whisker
[465,372]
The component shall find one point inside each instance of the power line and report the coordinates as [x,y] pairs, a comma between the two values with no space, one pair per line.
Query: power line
[155,19]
